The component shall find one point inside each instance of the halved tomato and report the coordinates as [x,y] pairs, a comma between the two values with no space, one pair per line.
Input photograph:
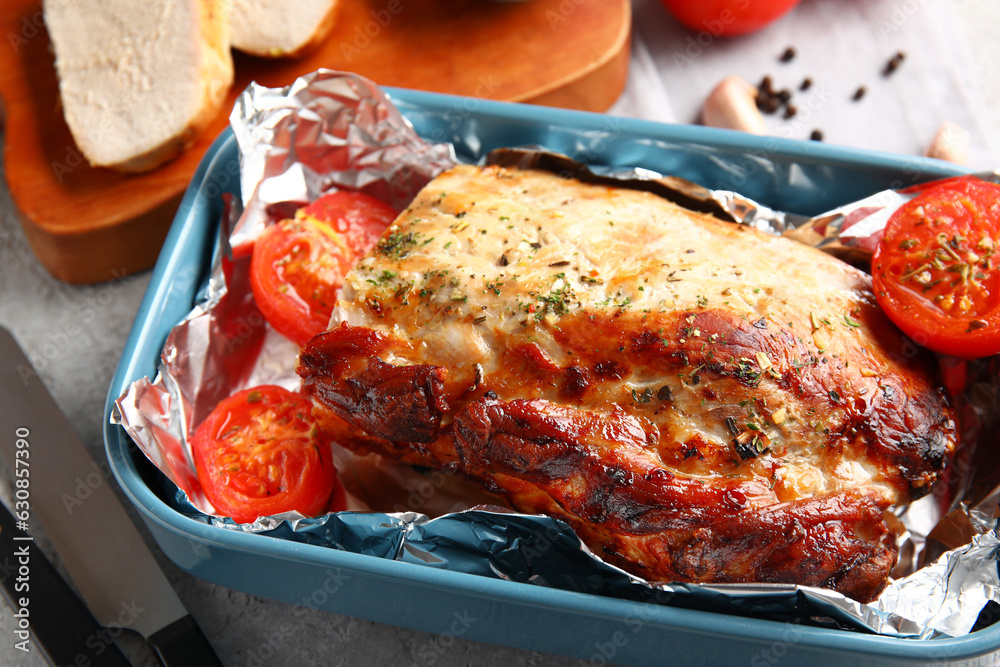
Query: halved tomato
[260,453]
[935,271]
[299,265]
[358,218]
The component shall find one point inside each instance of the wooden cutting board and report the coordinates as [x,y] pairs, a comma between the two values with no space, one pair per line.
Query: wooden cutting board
[87,225]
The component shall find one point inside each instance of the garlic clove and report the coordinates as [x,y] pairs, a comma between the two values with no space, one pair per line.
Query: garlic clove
[733,105]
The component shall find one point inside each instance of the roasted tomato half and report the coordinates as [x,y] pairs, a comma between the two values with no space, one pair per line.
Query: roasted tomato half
[260,453]
[728,17]
[299,265]
[935,271]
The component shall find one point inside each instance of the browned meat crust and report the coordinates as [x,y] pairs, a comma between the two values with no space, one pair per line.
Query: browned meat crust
[723,407]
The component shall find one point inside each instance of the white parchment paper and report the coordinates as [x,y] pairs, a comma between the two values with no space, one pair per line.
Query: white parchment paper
[841,45]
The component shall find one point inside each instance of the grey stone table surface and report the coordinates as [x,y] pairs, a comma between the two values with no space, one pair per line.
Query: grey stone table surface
[75,336]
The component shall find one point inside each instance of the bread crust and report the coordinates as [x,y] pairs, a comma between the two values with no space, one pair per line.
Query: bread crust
[320,33]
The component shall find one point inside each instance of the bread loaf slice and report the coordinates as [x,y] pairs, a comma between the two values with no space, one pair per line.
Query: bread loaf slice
[139,81]
[278,29]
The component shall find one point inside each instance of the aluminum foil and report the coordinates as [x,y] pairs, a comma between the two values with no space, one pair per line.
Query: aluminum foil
[723,204]
[333,130]
[325,131]
[852,232]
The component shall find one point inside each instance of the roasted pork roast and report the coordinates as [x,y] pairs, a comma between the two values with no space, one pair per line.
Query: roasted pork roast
[700,401]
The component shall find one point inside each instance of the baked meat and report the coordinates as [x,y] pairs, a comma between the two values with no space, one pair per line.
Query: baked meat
[701,402]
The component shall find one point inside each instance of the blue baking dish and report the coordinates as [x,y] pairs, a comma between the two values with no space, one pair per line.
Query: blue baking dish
[803,177]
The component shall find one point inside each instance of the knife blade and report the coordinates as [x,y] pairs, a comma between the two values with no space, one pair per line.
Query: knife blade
[53,617]
[71,498]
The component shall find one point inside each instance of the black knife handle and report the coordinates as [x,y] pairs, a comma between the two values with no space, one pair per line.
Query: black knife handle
[182,643]
[57,620]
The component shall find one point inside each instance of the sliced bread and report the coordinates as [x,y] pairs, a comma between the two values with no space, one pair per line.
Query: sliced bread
[139,81]
[279,29]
